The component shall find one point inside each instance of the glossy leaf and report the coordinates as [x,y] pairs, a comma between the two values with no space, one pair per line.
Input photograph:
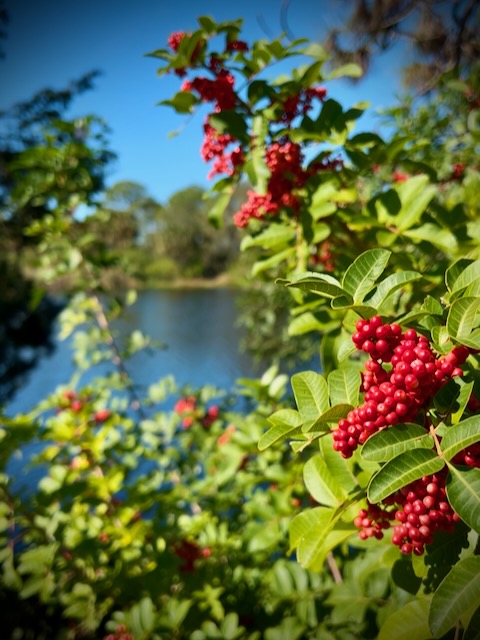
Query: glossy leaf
[274,236]
[321,484]
[339,467]
[351,70]
[402,470]
[320,283]
[408,623]
[311,394]
[344,386]
[457,593]
[444,239]
[415,194]
[310,520]
[463,492]
[391,284]
[460,436]
[389,443]
[308,532]
[466,277]
[285,422]
[304,323]
[362,274]
[463,317]
[332,415]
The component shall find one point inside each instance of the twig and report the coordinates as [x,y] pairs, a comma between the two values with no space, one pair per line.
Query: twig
[117,359]
[334,570]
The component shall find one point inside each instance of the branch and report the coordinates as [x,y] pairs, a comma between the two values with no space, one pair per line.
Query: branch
[117,359]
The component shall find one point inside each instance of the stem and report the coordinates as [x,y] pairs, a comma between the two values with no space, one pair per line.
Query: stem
[458,631]
[334,570]
[436,441]
[117,359]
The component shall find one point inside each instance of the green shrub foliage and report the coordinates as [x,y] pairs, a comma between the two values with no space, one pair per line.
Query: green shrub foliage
[343,505]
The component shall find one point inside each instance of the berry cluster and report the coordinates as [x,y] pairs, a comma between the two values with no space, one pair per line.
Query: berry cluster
[399,393]
[286,175]
[420,509]
[323,255]
[187,408]
[71,400]
[300,104]
[225,151]
[400,378]
[214,148]
[120,633]
[175,40]
[190,552]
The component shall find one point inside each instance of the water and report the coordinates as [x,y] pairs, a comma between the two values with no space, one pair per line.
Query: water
[198,328]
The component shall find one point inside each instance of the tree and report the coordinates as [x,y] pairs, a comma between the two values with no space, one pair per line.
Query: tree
[185,236]
[443,36]
[48,166]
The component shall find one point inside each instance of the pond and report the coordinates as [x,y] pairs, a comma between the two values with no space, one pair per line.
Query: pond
[198,327]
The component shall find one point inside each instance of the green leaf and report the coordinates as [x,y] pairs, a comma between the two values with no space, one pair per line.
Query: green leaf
[362,274]
[457,594]
[308,533]
[351,70]
[304,323]
[306,522]
[339,467]
[216,211]
[415,195]
[316,51]
[402,470]
[229,121]
[311,394]
[272,261]
[444,239]
[389,443]
[472,632]
[285,422]
[462,317]
[454,271]
[274,236]
[334,414]
[320,283]
[321,484]
[460,436]
[463,492]
[344,386]
[390,285]
[408,623]
[465,278]
[182,102]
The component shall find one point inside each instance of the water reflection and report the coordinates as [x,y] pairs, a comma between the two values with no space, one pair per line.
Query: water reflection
[198,328]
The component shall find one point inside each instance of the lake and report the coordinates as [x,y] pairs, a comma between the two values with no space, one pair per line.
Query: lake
[198,327]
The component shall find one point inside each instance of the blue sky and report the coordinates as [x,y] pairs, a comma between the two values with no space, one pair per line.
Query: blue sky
[52,42]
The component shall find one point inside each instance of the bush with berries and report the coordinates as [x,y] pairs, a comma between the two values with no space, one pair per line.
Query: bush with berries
[347,509]
[377,240]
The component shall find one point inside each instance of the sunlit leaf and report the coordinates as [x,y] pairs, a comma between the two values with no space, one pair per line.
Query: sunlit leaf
[402,470]
[457,593]
[351,70]
[415,195]
[460,436]
[362,274]
[285,422]
[321,484]
[391,284]
[389,443]
[463,317]
[311,394]
[410,622]
[344,386]
[463,492]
